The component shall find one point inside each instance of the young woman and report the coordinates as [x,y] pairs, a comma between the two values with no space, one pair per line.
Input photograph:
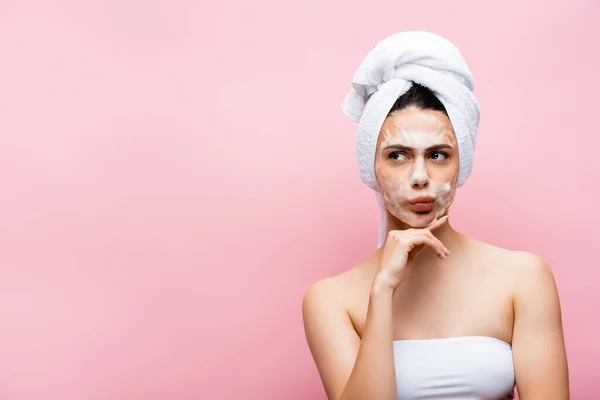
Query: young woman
[432,313]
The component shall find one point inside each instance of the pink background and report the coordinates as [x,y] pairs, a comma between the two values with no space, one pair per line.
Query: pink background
[176,173]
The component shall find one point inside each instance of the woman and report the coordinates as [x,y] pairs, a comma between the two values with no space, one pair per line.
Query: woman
[432,313]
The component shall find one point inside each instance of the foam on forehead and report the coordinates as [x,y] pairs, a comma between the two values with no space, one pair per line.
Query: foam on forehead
[389,70]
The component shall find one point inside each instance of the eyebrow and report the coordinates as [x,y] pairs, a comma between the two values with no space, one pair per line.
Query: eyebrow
[431,148]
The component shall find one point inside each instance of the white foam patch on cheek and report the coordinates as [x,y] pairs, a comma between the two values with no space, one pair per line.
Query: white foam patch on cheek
[445,188]
[445,197]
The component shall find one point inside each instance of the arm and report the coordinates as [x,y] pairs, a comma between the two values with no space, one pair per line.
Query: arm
[538,344]
[354,368]
[351,368]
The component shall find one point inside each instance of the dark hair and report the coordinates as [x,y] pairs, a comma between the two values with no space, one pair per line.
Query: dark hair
[420,97]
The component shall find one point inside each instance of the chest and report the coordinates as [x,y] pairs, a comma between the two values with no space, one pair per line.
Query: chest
[457,303]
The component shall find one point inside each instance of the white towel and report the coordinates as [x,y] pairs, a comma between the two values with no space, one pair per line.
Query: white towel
[387,72]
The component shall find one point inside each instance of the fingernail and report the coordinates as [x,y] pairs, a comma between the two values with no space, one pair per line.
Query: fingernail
[444,217]
[447,251]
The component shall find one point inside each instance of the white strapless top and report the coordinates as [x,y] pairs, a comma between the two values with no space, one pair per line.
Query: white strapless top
[457,368]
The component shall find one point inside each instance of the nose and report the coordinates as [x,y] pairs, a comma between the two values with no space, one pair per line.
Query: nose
[420,177]
[420,183]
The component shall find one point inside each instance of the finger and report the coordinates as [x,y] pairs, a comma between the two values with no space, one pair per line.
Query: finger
[441,245]
[437,223]
[425,240]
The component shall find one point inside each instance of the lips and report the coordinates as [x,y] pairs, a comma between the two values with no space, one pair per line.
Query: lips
[422,199]
[422,203]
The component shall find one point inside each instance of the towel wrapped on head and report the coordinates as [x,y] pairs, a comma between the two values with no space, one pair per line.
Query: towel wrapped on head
[387,72]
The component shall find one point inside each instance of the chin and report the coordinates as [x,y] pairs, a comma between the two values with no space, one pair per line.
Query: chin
[418,220]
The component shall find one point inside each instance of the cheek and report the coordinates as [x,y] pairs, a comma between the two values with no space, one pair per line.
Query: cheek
[446,188]
[445,192]
[445,180]
[390,187]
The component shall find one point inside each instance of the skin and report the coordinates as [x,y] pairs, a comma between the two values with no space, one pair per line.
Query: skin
[417,155]
[478,290]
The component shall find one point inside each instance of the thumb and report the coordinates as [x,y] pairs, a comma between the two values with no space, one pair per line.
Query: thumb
[437,223]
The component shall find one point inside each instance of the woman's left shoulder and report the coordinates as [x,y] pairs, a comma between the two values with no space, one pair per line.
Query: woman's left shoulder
[517,264]
[521,261]
[527,271]
[523,258]
[507,258]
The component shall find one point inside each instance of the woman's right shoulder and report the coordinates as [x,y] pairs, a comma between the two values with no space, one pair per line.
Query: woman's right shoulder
[339,292]
[331,335]
[327,292]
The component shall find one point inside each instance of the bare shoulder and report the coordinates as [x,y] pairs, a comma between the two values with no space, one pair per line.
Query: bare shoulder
[339,290]
[527,268]
[512,261]
[523,270]
[323,292]
[517,271]
[323,307]
[329,329]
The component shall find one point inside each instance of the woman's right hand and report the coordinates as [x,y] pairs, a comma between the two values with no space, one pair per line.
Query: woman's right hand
[401,249]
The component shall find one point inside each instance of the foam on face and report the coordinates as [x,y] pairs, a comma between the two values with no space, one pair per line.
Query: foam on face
[417,174]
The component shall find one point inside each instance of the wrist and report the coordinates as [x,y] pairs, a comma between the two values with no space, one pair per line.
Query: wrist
[382,285]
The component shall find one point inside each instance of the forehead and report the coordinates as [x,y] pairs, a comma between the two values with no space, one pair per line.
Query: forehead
[415,125]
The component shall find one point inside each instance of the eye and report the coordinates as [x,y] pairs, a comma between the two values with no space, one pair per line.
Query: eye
[397,155]
[439,155]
